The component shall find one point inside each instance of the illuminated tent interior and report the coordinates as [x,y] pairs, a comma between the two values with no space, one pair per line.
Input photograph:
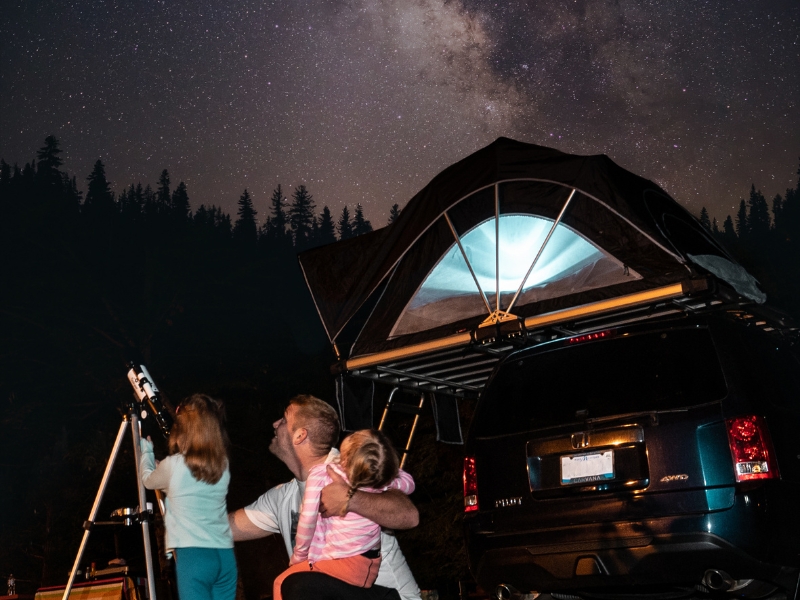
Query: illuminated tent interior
[512,245]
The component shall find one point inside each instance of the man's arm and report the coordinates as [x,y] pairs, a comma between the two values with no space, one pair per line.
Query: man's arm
[391,509]
[243,528]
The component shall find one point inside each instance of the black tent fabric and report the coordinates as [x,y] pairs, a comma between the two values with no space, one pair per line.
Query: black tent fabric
[643,239]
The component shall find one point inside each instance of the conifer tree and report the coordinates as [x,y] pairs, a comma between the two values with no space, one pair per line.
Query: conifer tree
[181,211]
[276,222]
[758,216]
[714,227]
[301,216]
[727,228]
[327,230]
[245,229]
[99,198]
[48,174]
[394,212]
[704,220]
[5,181]
[741,220]
[163,196]
[360,224]
[344,226]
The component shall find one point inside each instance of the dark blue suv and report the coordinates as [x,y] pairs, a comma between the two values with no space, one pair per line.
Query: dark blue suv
[657,460]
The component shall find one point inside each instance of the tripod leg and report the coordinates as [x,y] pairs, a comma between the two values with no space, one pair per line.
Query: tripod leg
[148,553]
[87,526]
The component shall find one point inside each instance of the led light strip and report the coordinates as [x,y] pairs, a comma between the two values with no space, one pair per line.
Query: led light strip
[462,339]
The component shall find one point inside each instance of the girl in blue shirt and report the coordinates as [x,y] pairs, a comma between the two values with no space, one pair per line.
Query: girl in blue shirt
[195,478]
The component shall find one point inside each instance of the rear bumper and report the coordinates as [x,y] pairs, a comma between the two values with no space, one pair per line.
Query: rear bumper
[636,555]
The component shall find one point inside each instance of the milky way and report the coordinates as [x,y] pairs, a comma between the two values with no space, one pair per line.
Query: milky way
[364,101]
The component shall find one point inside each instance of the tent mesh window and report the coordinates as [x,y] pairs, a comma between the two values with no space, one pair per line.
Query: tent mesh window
[568,264]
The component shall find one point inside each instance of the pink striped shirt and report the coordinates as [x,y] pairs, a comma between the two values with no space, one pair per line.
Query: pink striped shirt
[336,537]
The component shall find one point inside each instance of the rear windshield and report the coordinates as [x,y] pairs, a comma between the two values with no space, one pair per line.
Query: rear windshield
[645,372]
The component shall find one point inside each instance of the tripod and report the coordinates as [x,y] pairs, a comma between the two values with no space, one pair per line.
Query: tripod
[129,418]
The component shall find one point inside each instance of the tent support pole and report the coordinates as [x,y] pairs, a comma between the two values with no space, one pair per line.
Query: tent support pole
[466,260]
[541,249]
[497,246]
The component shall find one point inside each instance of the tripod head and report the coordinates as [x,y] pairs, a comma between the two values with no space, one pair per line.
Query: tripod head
[148,397]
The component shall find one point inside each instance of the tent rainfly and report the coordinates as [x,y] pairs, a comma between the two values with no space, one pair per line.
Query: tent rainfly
[513,245]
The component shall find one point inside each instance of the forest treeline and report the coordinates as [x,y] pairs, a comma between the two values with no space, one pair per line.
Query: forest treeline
[288,222]
[212,303]
[766,240]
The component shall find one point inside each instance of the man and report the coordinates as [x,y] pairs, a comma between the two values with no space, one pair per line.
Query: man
[305,437]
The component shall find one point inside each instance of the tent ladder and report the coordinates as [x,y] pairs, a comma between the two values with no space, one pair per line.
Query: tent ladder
[409,409]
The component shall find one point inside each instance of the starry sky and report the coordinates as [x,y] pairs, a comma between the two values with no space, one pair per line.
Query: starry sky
[364,101]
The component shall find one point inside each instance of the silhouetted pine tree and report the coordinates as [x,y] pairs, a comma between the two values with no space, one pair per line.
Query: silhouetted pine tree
[150,204]
[277,215]
[163,195]
[704,220]
[99,198]
[758,222]
[344,227]
[180,210]
[327,230]
[394,212]
[360,224]
[301,216]
[741,220]
[130,203]
[728,230]
[245,231]
[47,174]
[5,182]
[276,235]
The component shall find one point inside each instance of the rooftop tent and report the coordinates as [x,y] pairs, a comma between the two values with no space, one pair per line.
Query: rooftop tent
[511,239]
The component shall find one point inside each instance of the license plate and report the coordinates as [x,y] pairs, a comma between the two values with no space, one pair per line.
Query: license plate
[593,466]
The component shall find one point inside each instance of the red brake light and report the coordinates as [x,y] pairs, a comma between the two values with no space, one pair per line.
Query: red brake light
[751,449]
[470,485]
[591,336]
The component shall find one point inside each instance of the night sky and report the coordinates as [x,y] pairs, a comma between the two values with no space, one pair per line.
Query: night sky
[366,100]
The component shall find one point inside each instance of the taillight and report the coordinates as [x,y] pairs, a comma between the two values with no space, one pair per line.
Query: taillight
[751,448]
[470,485]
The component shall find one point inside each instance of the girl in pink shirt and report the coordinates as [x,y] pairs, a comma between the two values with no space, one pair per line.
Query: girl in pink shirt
[346,547]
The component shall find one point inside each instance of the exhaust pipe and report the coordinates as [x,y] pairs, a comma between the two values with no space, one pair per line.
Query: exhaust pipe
[718,581]
[506,591]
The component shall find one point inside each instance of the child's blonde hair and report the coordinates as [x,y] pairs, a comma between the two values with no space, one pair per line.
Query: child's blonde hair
[369,459]
[199,434]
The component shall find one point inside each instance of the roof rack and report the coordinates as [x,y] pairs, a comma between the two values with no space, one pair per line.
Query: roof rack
[460,365]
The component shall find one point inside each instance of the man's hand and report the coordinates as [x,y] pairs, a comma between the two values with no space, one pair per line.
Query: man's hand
[391,509]
[333,499]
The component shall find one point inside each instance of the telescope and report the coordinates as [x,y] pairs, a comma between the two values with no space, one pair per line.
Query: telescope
[148,396]
[148,402]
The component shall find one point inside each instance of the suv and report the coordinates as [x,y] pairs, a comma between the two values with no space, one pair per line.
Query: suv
[653,460]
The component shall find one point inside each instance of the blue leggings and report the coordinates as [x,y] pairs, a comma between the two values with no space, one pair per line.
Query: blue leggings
[205,573]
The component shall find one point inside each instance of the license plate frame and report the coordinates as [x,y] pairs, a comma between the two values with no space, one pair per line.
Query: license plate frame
[588,467]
